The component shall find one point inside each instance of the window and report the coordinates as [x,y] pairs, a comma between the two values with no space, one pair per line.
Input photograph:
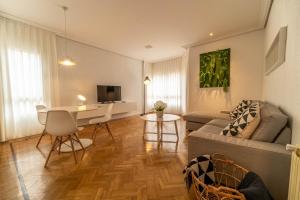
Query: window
[166,85]
[28,76]
[26,88]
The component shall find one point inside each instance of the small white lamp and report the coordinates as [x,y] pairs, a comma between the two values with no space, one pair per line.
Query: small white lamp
[81,99]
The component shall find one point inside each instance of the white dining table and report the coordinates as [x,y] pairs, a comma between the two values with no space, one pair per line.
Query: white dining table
[74,110]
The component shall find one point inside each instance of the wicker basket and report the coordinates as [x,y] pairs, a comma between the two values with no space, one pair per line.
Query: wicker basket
[228,176]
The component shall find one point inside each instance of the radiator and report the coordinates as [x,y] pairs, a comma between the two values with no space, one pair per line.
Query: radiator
[294,185]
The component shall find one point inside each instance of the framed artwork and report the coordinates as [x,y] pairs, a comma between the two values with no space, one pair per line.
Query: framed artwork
[215,69]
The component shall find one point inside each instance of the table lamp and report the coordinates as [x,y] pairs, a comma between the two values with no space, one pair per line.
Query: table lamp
[81,99]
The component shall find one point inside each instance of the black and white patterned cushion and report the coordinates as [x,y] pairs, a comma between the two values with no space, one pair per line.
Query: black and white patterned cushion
[236,127]
[237,111]
[204,169]
[230,130]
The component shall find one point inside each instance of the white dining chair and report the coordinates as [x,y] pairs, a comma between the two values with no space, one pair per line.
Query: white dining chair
[42,116]
[62,125]
[98,122]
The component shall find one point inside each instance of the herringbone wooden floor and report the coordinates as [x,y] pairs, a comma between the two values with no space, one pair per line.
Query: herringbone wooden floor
[127,168]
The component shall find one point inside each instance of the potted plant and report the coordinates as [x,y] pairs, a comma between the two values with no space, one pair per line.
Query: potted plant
[159,108]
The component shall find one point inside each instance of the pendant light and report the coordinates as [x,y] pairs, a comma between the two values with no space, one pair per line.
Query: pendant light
[67,60]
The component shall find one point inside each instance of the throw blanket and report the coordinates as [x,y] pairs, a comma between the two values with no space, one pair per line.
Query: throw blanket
[253,188]
[203,168]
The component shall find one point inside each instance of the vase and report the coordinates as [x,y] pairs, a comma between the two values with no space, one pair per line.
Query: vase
[159,114]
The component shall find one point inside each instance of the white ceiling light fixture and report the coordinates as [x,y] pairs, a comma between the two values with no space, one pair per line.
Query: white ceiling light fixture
[67,60]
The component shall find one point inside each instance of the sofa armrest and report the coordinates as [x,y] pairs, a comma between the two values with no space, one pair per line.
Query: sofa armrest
[270,161]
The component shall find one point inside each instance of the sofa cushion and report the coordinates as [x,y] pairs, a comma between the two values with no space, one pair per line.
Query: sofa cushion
[241,107]
[206,129]
[193,126]
[245,124]
[197,117]
[284,137]
[222,123]
[202,117]
[272,122]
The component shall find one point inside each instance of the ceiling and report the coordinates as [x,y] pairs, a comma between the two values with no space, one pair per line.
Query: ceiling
[126,26]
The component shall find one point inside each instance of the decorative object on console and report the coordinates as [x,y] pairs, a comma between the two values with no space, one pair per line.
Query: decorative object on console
[81,99]
[245,125]
[159,108]
[215,69]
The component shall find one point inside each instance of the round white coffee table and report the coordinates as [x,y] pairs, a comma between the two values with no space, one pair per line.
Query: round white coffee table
[159,126]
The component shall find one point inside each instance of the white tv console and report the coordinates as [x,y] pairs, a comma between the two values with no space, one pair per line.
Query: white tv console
[120,109]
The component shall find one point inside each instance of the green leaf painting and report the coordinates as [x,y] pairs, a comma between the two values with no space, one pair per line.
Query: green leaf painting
[215,69]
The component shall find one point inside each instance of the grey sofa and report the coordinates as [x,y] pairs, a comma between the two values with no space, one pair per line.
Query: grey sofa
[264,153]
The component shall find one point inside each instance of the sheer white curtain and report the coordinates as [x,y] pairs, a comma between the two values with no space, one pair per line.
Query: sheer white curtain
[166,79]
[28,76]
[185,81]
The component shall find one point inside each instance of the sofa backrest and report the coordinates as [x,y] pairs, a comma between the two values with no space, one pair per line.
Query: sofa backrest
[272,123]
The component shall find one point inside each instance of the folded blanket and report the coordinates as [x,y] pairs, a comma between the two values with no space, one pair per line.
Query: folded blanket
[254,188]
[203,168]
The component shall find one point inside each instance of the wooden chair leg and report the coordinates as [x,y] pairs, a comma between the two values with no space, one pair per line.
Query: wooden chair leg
[52,149]
[94,133]
[108,129]
[73,150]
[43,134]
[144,129]
[60,143]
[159,136]
[77,140]
[161,131]
[82,147]
[176,129]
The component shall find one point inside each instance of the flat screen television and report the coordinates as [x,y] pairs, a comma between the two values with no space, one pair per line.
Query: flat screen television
[108,93]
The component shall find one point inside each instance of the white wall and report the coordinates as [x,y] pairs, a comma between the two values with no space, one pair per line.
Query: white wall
[245,73]
[96,66]
[281,87]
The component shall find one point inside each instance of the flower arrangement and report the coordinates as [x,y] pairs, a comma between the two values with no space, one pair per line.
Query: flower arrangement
[159,107]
